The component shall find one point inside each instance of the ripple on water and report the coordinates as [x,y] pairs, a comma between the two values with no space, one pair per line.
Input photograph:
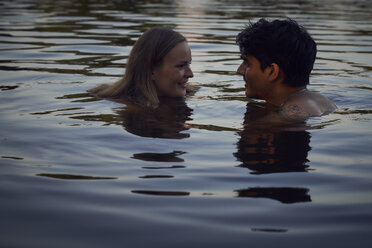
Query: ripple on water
[210,168]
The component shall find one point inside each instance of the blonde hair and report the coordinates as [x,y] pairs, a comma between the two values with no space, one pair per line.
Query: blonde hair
[147,53]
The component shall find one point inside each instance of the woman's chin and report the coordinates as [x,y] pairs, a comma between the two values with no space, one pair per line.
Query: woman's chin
[181,92]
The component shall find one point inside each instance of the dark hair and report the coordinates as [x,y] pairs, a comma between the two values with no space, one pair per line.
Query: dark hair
[283,42]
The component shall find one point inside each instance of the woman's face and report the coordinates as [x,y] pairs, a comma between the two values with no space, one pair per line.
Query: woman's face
[172,75]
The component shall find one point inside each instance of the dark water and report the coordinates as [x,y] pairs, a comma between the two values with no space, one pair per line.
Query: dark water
[209,172]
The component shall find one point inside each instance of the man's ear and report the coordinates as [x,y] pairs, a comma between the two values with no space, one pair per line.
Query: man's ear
[273,71]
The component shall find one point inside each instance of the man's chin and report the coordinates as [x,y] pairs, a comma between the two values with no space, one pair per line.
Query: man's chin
[250,95]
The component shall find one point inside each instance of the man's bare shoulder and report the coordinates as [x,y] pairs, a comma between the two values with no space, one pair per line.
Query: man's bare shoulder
[308,104]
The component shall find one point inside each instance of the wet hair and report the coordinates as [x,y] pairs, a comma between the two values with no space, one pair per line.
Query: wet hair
[283,42]
[147,53]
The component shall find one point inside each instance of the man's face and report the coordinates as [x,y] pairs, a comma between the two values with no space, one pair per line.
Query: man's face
[256,81]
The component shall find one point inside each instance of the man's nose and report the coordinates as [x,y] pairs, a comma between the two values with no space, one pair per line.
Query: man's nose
[241,69]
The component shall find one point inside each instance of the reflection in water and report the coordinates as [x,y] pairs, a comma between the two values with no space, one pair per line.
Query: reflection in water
[283,194]
[267,147]
[164,167]
[73,177]
[12,157]
[275,230]
[160,157]
[7,87]
[166,121]
[161,193]
[269,144]
[80,97]
[156,176]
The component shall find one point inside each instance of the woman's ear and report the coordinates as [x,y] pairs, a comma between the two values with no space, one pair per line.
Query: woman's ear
[153,74]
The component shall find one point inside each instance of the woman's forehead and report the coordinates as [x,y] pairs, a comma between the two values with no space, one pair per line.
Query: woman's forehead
[180,52]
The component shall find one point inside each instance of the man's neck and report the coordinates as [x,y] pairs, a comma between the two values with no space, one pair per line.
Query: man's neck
[280,94]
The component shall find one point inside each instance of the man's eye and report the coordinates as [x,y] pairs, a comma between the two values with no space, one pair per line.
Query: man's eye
[181,65]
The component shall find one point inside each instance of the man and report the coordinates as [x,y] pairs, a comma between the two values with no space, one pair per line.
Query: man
[278,57]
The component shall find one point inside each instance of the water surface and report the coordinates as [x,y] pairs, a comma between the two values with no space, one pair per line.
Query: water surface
[83,172]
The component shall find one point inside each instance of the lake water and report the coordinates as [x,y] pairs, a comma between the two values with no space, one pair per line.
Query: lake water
[76,171]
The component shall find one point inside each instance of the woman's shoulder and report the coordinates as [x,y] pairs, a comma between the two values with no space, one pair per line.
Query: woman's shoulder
[98,89]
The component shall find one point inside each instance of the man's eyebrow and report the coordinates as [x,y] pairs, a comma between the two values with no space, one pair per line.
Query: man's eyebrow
[184,62]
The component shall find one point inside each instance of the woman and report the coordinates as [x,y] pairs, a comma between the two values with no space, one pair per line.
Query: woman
[158,65]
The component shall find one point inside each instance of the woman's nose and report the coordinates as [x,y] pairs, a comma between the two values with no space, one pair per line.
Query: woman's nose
[189,73]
